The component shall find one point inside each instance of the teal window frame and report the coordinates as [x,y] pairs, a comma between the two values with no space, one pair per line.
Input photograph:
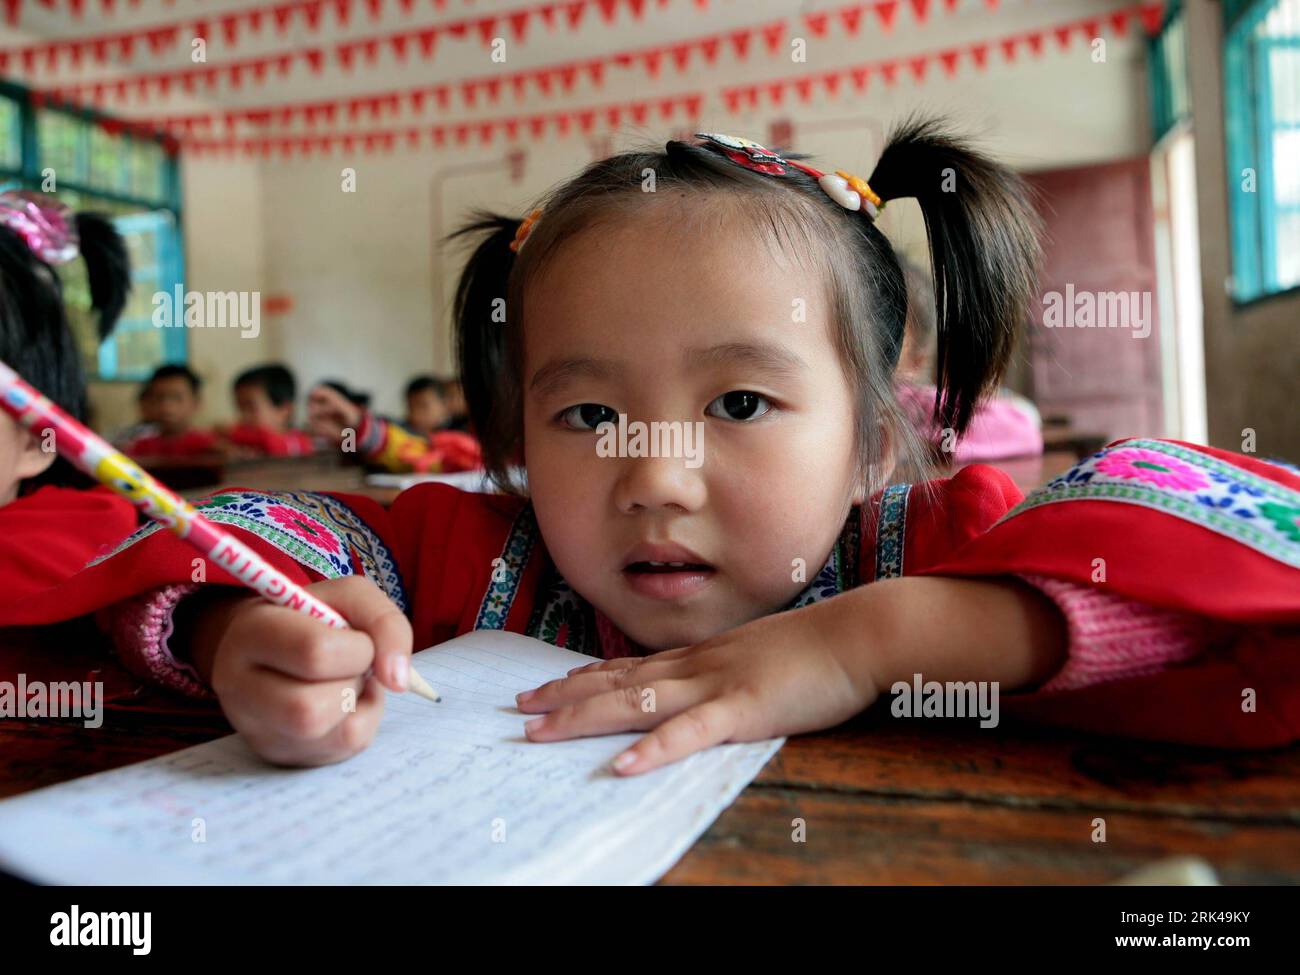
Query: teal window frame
[1167,73]
[158,216]
[1250,131]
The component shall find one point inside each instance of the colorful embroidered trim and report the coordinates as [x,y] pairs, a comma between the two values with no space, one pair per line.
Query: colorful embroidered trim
[563,618]
[1255,511]
[507,575]
[315,530]
[891,531]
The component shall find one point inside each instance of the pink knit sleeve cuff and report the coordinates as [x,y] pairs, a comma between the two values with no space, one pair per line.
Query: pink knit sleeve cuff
[140,628]
[1112,637]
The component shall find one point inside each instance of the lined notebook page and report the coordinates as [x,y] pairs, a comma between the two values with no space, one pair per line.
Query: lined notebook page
[446,793]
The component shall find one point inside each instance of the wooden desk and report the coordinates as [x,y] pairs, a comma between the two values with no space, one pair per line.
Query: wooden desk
[884,801]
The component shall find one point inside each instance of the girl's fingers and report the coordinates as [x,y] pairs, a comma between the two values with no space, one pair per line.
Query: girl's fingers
[622,663]
[580,686]
[365,606]
[275,706]
[618,663]
[695,729]
[306,649]
[355,732]
[636,707]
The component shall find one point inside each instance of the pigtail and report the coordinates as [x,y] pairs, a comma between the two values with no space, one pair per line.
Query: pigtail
[984,236]
[481,294]
[108,268]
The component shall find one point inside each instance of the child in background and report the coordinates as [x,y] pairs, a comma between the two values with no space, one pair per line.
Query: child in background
[264,398]
[48,528]
[773,581]
[387,445]
[1004,425]
[171,399]
[425,410]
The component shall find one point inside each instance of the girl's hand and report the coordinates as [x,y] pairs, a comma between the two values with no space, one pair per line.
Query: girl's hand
[807,669]
[301,692]
[329,413]
[796,671]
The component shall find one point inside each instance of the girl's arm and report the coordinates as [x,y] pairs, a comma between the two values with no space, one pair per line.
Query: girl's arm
[943,628]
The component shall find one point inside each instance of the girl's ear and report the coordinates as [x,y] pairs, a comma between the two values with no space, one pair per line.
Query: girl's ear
[33,461]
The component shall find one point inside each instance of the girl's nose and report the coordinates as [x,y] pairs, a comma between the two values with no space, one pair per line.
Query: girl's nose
[658,482]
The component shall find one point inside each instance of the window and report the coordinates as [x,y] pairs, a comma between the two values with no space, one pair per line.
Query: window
[131,178]
[1262,102]
[1170,101]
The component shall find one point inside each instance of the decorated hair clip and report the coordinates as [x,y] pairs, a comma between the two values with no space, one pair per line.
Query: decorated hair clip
[851,192]
[844,188]
[46,225]
[524,229]
[745,153]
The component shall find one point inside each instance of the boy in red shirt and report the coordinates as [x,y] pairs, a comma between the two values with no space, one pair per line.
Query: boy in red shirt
[171,400]
[264,398]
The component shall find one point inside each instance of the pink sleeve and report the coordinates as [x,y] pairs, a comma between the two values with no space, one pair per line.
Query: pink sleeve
[1112,637]
[140,628]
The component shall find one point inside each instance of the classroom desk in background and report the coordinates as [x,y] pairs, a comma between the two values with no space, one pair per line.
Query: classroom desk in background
[883,800]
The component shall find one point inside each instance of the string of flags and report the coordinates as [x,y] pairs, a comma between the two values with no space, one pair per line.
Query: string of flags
[203,133]
[234,27]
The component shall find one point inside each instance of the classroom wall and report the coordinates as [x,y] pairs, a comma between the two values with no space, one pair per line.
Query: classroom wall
[359,267]
[1250,352]
[371,292]
[224,251]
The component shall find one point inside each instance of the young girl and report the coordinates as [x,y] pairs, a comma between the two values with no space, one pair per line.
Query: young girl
[48,528]
[768,582]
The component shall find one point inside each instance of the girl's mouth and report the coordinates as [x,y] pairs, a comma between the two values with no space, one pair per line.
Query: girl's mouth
[667,580]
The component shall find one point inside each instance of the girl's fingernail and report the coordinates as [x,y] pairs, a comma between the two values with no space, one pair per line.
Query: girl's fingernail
[535,723]
[623,761]
[524,696]
[401,671]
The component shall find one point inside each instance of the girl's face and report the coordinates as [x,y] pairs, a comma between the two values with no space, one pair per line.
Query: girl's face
[730,340]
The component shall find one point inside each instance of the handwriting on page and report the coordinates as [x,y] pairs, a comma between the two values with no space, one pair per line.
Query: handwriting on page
[451,792]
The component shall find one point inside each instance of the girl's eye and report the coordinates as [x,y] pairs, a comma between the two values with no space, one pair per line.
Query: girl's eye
[739,404]
[586,416]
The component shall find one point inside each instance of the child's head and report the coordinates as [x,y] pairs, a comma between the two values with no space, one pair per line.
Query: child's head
[752,306]
[425,410]
[171,398]
[35,234]
[264,397]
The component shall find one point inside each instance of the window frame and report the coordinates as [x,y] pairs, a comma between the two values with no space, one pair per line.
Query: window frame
[28,175]
[1248,137]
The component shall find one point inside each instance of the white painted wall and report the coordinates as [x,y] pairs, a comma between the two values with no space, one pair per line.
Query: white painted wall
[361,268]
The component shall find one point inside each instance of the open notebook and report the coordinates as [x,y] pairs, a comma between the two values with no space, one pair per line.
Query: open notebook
[446,793]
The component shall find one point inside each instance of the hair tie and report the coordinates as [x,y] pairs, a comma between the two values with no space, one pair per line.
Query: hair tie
[847,190]
[524,229]
[44,224]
